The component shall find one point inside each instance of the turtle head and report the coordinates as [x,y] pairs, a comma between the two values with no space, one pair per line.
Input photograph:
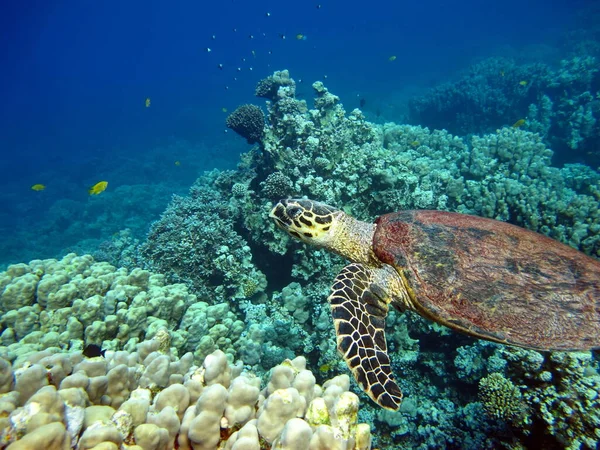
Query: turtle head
[309,221]
[327,227]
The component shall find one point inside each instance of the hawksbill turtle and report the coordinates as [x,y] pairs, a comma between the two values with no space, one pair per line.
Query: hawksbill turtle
[483,277]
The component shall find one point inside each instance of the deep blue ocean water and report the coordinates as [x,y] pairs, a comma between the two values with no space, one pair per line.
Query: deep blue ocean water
[75,77]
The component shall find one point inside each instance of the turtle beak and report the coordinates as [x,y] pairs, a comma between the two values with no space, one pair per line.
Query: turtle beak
[279,215]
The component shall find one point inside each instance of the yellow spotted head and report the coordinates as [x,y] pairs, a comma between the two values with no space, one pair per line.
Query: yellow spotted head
[309,221]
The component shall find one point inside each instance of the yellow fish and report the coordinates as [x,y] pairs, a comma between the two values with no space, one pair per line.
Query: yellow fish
[253,53]
[300,37]
[523,83]
[38,187]
[147,102]
[224,109]
[177,163]
[325,367]
[415,144]
[98,188]
[519,123]
[502,73]
[392,58]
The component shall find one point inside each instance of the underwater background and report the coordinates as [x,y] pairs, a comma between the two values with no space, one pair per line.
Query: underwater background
[144,143]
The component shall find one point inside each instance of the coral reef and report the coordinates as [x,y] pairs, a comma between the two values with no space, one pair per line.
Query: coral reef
[561,104]
[149,399]
[268,87]
[500,397]
[344,160]
[231,282]
[75,301]
[196,241]
[562,392]
[248,121]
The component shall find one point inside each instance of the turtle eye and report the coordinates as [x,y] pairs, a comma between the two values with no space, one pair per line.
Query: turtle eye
[293,212]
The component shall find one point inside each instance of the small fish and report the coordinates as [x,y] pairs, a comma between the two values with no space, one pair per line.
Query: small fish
[38,187]
[93,351]
[98,188]
[234,30]
[224,110]
[214,37]
[502,73]
[282,36]
[250,36]
[220,66]
[208,50]
[325,368]
[268,14]
[519,123]
[318,6]
[177,163]
[253,53]
[415,144]
[523,83]
[301,37]
[239,69]
[362,102]
[392,58]
[147,102]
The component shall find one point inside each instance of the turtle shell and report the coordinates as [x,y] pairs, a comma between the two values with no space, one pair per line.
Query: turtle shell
[494,280]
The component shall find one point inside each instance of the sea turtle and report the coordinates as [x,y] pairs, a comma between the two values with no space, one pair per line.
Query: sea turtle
[483,277]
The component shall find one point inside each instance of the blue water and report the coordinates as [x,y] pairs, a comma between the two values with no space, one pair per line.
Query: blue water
[75,76]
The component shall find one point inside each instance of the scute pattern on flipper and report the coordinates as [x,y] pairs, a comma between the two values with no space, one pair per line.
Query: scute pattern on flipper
[359,307]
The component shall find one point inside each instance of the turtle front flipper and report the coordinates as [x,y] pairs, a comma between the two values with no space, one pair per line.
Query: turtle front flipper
[359,304]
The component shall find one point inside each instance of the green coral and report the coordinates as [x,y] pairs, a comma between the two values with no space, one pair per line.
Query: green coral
[500,397]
